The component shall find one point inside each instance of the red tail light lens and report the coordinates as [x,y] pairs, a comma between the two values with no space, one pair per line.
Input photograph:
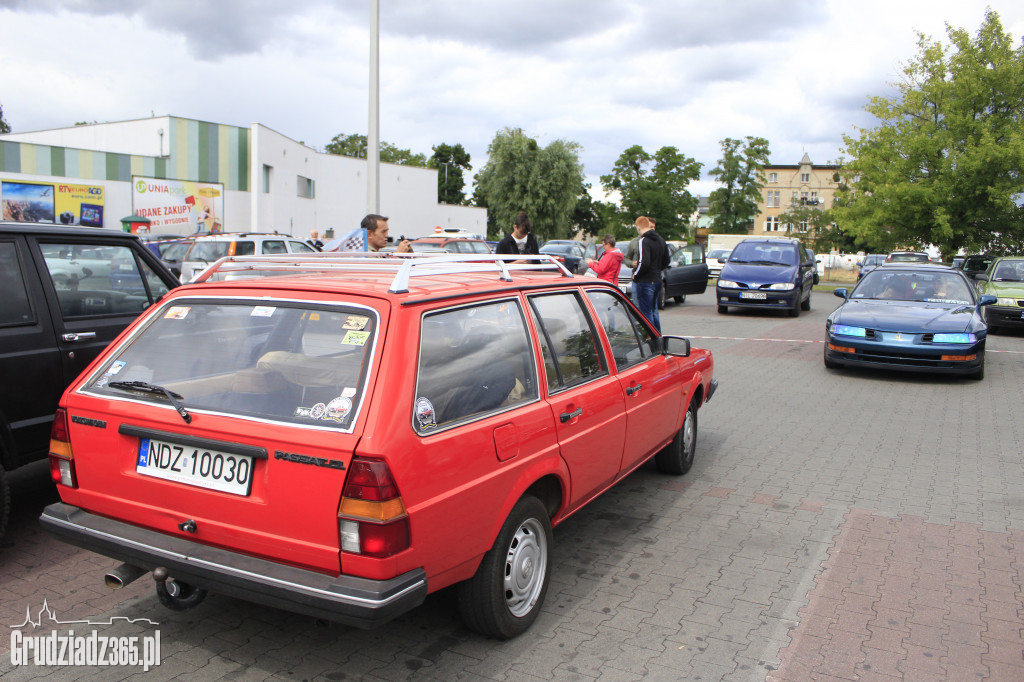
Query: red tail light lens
[371,518]
[62,460]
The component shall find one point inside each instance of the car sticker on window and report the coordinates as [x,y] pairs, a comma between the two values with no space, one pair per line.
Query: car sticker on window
[425,414]
[338,409]
[354,338]
[262,311]
[355,322]
[348,392]
[177,312]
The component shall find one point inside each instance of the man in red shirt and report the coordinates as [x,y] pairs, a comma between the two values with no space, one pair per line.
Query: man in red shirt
[607,268]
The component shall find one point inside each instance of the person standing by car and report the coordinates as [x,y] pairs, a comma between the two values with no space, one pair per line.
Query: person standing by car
[314,240]
[607,266]
[521,240]
[652,258]
[376,227]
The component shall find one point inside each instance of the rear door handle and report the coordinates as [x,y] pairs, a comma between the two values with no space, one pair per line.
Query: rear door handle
[633,389]
[79,336]
[566,416]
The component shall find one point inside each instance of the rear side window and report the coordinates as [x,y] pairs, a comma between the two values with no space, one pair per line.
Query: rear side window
[272,246]
[93,280]
[473,361]
[293,363]
[567,341]
[14,304]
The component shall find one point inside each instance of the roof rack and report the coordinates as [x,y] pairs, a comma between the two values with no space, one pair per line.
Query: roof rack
[404,265]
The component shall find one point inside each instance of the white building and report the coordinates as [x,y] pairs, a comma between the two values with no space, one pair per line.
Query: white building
[253,179]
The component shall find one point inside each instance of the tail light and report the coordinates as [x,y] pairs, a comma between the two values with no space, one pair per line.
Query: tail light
[62,460]
[371,517]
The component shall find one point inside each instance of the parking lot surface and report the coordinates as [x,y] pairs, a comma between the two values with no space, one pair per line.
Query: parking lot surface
[836,525]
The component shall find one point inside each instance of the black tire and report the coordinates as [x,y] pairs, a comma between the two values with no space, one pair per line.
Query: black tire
[505,596]
[677,457]
[806,305]
[828,363]
[679,299]
[980,373]
[723,309]
[795,310]
[5,500]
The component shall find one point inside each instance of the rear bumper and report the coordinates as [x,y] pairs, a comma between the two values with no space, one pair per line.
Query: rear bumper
[359,602]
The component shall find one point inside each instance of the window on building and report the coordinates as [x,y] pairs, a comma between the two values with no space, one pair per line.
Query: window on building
[805,177]
[771,224]
[268,171]
[796,196]
[803,226]
[773,177]
[306,188]
[774,199]
[814,197]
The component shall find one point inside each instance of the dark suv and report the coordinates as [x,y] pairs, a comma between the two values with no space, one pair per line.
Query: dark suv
[767,272]
[66,293]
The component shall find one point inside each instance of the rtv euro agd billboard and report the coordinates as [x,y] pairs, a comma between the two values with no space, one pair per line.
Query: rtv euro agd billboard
[179,205]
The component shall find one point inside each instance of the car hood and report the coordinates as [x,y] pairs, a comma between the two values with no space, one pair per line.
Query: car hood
[754,275]
[904,316]
[1005,289]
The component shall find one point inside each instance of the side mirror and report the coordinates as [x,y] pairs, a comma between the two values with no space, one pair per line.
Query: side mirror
[982,276]
[987,299]
[675,345]
[841,292]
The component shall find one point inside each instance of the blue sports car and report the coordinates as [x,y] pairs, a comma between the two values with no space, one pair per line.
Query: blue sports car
[911,316]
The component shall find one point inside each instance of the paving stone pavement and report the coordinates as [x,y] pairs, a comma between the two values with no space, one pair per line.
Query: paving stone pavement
[837,525]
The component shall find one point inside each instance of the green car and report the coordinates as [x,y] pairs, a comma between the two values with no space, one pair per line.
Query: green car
[1004,279]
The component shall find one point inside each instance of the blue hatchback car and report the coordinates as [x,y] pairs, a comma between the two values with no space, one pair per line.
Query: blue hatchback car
[914,317]
[767,273]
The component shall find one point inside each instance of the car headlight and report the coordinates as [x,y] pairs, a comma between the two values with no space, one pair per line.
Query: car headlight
[954,338]
[728,284]
[782,286]
[847,330]
[1006,301]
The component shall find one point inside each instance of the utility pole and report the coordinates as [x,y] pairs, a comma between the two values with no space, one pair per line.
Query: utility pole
[373,132]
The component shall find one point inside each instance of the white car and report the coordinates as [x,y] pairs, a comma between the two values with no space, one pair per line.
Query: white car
[208,249]
[716,259]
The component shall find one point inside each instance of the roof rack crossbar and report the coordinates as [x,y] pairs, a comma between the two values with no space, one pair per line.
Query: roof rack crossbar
[406,266]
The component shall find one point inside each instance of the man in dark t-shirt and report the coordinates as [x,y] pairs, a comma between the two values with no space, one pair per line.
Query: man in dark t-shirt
[521,241]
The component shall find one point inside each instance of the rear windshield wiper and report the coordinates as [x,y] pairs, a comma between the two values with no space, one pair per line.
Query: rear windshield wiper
[153,388]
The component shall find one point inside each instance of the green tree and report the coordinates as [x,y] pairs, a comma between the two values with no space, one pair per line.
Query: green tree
[655,185]
[450,161]
[520,175]
[944,165]
[4,126]
[356,145]
[594,219]
[733,206]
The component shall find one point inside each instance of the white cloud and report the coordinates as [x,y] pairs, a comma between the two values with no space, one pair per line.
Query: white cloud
[605,73]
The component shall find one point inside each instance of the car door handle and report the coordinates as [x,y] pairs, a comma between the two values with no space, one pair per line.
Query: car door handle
[566,416]
[79,336]
[630,390]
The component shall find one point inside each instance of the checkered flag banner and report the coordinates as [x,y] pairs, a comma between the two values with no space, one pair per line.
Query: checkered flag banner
[354,240]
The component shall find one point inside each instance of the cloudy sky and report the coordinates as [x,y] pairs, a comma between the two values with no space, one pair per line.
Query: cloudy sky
[607,74]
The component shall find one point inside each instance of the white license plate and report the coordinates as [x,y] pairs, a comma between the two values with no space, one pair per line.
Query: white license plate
[222,471]
[756,295]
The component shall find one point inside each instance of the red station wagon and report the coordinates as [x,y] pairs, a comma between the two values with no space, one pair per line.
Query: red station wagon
[353,433]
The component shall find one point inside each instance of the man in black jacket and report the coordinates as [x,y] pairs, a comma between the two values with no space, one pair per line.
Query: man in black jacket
[652,258]
[521,241]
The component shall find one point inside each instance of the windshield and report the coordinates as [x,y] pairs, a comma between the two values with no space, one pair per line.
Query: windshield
[921,287]
[873,259]
[1009,271]
[294,363]
[763,253]
[719,253]
[908,258]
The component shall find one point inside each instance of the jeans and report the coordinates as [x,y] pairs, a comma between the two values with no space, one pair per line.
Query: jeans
[646,295]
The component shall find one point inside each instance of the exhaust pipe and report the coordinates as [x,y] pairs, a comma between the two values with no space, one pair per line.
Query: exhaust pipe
[122,575]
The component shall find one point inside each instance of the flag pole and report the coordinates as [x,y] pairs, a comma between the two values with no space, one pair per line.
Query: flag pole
[373,132]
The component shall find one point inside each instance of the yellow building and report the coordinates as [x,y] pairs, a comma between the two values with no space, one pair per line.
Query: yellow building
[787,188]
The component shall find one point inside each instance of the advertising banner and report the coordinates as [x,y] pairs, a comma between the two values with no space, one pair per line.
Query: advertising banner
[51,202]
[179,205]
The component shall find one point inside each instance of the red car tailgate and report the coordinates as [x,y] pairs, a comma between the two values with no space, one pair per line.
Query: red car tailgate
[289,514]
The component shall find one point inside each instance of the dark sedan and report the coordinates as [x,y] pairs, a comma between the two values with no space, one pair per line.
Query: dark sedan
[914,317]
[570,251]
